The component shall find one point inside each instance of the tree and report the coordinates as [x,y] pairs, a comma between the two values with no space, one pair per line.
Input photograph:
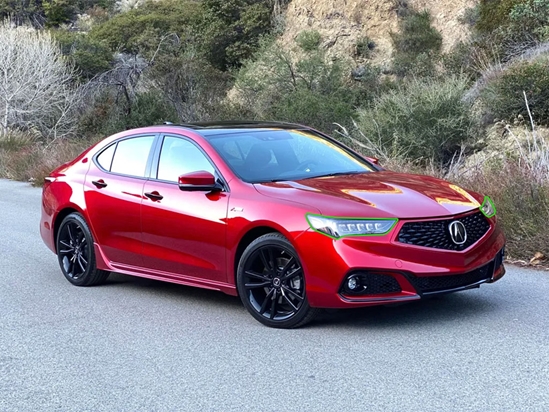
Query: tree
[58,12]
[140,30]
[35,83]
[296,86]
[231,30]
[23,11]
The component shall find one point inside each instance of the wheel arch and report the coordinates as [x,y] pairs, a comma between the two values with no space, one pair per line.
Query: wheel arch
[245,241]
[59,219]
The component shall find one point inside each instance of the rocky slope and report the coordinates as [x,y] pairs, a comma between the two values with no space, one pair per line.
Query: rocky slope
[342,22]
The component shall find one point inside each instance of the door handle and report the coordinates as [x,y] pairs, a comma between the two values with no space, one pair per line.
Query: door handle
[154,195]
[100,184]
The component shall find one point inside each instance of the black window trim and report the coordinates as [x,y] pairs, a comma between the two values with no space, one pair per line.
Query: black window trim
[155,137]
[153,171]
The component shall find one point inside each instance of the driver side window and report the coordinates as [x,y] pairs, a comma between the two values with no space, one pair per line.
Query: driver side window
[179,156]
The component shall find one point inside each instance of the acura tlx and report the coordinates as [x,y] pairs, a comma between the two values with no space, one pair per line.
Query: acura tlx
[279,214]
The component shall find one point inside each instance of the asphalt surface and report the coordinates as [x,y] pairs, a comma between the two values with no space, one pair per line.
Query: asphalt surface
[141,345]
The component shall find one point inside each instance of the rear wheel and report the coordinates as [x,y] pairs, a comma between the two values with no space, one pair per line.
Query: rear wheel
[271,283]
[76,254]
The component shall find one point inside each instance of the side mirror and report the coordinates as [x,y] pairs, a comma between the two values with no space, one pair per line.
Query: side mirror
[373,160]
[200,181]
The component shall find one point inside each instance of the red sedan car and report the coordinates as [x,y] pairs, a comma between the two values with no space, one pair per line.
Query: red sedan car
[285,217]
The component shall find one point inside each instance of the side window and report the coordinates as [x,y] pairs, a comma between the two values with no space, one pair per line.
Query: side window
[179,156]
[105,157]
[130,157]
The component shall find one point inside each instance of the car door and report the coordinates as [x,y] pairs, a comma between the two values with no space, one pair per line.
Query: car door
[113,192]
[183,232]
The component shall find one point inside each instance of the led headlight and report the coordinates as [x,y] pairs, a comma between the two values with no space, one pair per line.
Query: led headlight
[488,207]
[341,227]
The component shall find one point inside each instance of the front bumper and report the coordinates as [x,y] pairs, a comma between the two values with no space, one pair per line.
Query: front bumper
[394,271]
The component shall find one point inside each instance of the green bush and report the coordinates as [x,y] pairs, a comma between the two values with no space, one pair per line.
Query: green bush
[512,26]
[422,120]
[23,12]
[141,30]
[308,40]
[314,109]
[503,94]
[149,108]
[230,30]
[494,14]
[107,116]
[58,12]
[364,47]
[457,60]
[89,56]
[416,46]
[513,16]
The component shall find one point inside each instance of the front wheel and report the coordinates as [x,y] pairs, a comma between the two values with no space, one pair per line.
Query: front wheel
[271,283]
[76,254]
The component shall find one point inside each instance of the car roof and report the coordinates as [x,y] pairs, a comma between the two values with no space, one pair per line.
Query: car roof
[231,127]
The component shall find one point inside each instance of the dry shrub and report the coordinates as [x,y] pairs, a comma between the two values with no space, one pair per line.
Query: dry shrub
[32,162]
[517,178]
[522,203]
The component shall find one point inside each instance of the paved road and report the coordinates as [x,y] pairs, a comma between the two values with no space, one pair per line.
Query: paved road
[140,345]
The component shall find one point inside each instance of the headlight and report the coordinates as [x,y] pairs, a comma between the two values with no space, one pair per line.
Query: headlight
[488,207]
[341,227]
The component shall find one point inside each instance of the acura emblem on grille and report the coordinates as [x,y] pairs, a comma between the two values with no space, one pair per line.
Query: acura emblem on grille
[458,233]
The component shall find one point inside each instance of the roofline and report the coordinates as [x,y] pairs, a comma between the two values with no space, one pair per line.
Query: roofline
[238,124]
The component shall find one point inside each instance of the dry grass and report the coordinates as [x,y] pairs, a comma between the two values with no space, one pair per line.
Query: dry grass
[30,160]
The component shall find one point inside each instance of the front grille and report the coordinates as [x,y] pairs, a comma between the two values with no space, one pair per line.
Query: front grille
[372,284]
[430,284]
[435,233]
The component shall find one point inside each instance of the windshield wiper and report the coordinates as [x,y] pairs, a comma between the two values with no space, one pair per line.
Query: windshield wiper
[293,179]
[337,174]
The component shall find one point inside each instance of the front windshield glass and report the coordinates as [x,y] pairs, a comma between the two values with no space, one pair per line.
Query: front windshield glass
[278,155]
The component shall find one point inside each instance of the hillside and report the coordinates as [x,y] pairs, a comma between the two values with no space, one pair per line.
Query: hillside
[342,22]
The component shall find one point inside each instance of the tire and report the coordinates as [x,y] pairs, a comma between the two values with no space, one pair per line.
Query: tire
[271,283]
[75,252]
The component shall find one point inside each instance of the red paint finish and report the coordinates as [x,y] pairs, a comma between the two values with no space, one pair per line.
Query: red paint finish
[184,233]
[200,178]
[152,228]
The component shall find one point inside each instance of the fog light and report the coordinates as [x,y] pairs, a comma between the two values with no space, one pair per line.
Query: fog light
[352,283]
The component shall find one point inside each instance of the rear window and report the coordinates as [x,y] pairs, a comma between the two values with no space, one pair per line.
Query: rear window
[127,156]
[105,157]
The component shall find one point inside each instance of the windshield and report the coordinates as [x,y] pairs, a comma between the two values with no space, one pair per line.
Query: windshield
[277,155]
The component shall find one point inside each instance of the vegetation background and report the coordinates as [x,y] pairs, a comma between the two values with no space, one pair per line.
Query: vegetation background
[382,76]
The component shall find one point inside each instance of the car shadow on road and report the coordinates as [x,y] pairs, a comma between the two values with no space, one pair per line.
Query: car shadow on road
[173,291]
[456,307]
[449,308]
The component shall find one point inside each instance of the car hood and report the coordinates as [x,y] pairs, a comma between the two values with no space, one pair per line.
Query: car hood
[376,194]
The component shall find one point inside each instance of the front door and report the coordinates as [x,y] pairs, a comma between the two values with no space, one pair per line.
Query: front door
[183,232]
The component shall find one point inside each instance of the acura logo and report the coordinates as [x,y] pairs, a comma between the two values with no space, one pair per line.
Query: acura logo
[458,233]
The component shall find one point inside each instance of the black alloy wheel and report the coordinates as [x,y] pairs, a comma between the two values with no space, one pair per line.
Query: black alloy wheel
[271,283]
[75,252]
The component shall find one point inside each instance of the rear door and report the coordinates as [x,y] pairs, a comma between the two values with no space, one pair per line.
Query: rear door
[183,232]
[113,193]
